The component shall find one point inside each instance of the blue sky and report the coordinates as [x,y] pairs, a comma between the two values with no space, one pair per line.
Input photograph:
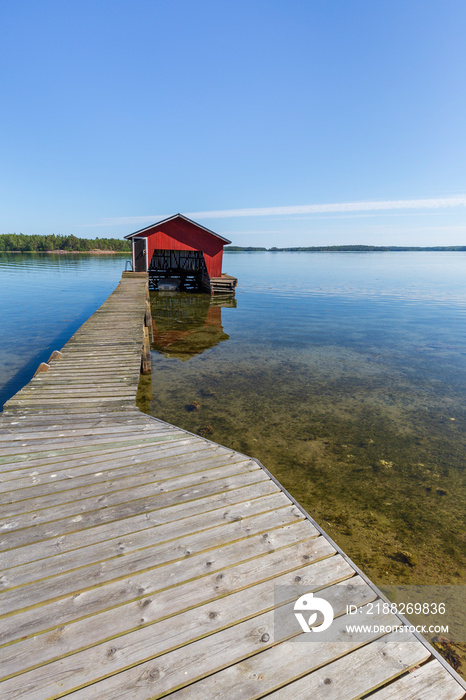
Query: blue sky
[272,122]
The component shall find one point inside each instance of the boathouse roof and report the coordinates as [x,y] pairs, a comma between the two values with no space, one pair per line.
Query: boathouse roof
[172,218]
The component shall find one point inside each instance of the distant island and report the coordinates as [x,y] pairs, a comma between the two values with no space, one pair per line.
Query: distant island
[21,243]
[342,248]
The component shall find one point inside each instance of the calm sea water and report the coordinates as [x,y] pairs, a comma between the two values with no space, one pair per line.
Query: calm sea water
[43,301]
[344,373]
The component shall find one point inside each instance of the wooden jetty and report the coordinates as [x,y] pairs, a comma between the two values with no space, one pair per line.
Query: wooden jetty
[225,284]
[140,561]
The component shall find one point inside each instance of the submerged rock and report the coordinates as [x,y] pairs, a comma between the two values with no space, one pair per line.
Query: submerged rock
[406,557]
[208,392]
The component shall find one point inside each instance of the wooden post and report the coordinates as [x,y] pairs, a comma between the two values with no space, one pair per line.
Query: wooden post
[148,321]
[148,315]
[43,367]
[145,359]
[56,355]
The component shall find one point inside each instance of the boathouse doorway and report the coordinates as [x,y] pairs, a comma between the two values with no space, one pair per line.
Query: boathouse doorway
[140,255]
[188,266]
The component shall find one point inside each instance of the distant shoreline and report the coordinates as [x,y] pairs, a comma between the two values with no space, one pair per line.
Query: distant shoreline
[347,249]
[32,243]
[71,252]
[240,249]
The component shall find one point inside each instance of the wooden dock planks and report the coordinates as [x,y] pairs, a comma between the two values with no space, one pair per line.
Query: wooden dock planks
[140,561]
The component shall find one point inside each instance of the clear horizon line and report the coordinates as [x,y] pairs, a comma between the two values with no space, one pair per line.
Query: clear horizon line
[339,207]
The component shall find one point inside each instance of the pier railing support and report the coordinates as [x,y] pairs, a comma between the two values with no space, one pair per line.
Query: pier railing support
[145,360]
[147,336]
[43,367]
[148,320]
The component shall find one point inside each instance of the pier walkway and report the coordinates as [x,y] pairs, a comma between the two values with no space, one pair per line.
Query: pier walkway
[140,561]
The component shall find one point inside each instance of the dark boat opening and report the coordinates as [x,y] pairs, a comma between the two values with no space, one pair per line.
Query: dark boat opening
[186,265]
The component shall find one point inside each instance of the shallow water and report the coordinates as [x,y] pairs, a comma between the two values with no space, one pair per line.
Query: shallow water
[344,374]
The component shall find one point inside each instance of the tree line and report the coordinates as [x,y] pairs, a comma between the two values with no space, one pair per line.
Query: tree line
[346,248]
[35,243]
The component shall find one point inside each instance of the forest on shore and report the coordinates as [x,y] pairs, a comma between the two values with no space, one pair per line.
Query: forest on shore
[22,243]
[343,248]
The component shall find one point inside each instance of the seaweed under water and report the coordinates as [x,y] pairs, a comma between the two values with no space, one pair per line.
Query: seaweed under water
[375,455]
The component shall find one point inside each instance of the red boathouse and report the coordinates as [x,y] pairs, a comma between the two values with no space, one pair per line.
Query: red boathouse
[178,248]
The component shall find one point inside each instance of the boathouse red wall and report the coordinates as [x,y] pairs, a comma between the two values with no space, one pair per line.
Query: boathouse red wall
[180,234]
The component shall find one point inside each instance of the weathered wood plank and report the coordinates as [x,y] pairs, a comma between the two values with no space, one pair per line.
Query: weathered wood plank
[175,462]
[38,393]
[64,540]
[324,669]
[83,379]
[430,682]
[53,462]
[185,628]
[355,674]
[74,401]
[65,441]
[65,469]
[155,677]
[22,420]
[50,482]
[151,551]
[84,553]
[91,429]
[148,480]
[16,454]
[98,598]
[74,442]
[188,485]
[105,512]
[52,410]
[117,621]
[40,418]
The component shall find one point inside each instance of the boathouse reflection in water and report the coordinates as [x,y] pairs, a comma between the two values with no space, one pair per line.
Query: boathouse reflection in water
[186,324]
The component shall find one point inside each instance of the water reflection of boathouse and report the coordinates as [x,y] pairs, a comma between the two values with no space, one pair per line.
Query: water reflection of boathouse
[185,325]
